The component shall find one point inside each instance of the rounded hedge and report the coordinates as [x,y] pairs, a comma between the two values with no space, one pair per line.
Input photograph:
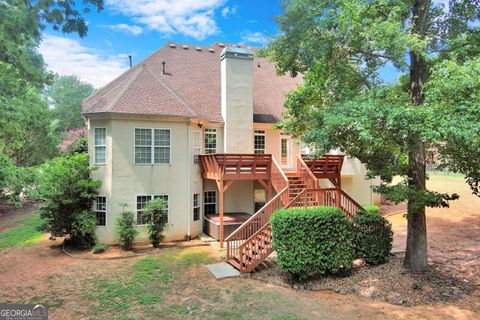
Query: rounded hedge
[373,237]
[313,240]
[371,208]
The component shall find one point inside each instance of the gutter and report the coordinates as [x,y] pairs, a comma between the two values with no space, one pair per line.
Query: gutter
[189,182]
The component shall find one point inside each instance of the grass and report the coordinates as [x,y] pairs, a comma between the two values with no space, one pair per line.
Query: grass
[142,284]
[25,234]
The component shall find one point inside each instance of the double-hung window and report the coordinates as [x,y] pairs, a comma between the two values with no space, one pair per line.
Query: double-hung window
[209,202]
[210,140]
[152,146]
[100,145]
[142,202]
[196,146]
[259,141]
[196,207]
[100,208]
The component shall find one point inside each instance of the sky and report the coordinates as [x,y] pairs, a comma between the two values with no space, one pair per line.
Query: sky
[140,27]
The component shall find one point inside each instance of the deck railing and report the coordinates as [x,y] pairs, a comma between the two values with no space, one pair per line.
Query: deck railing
[306,174]
[236,166]
[256,225]
[326,197]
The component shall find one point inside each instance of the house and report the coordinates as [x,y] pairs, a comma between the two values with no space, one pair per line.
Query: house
[195,126]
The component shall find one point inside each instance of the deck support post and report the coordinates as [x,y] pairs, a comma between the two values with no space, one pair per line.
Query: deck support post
[220,204]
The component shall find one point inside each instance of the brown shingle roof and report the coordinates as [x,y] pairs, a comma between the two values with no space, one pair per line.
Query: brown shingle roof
[190,87]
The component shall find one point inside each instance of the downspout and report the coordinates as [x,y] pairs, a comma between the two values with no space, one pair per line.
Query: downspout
[189,182]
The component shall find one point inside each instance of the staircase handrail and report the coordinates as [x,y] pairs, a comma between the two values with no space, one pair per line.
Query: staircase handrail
[306,174]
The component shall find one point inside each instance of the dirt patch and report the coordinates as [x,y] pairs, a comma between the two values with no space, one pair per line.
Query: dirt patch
[138,250]
[389,282]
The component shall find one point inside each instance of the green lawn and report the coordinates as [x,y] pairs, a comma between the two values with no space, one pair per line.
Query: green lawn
[24,233]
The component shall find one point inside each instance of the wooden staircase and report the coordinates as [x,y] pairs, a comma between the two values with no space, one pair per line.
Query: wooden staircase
[251,243]
[296,185]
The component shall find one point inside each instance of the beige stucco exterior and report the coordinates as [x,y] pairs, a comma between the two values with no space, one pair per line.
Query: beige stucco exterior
[237,104]
[123,180]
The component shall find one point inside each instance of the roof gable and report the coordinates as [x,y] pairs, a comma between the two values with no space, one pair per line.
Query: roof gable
[189,87]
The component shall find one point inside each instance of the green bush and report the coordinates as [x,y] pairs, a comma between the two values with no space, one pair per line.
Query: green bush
[99,248]
[372,208]
[83,229]
[157,215]
[67,190]
[373,237]
[126,229]
[313,240]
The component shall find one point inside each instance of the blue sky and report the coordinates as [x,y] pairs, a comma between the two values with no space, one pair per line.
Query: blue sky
[139,27]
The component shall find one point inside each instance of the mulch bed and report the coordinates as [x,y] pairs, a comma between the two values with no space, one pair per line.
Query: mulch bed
[389,282]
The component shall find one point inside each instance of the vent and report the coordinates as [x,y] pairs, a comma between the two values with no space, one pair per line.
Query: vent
[185,47]
[221,45]
[198,48]
[172,45]
[211,49]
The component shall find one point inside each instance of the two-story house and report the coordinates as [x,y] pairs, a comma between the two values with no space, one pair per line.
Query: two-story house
[195,126]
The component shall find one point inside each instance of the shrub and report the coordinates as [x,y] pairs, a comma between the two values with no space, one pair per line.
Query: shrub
[156,212]
[99,248]
[372,208]
[313,240]
[373,237]
[83,229]
[126,229]
[67,189]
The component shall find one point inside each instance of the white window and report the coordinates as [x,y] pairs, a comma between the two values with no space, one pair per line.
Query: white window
[100,208]
[259,141]
[210,202]
[100,144]
[210,140]
[152,146]
[196,207]
[142,202]
[196,146]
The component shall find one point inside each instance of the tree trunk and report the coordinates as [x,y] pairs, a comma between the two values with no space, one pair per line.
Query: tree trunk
[416,249]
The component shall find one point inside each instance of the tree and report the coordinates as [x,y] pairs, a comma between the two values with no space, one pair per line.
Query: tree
[65,95]
[25,120]
[68,191]
[157,215]
[340,47]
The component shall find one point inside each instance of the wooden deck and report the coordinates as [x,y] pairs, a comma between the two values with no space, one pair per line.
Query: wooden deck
[235,166]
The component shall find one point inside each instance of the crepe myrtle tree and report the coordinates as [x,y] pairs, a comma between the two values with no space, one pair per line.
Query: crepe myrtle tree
[340,46]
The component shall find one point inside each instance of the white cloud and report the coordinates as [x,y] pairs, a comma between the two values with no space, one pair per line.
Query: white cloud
[254,37]
[130,29]
[68,57]
[228,11]
[193,18]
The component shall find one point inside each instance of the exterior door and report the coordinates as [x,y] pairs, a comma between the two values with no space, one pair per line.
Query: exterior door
[286,152]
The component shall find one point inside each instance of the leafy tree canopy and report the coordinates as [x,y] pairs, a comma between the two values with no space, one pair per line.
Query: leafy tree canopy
[65,95]
[339,48]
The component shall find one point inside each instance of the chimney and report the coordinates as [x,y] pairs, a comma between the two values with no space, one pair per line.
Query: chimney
[130,59]
[237,99]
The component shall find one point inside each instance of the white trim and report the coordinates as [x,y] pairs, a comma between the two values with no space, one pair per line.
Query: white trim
[199,145]
[216,139]
[106,209]
[289,139]
[199,206]
[260,133]
[151,198]
[216,200]
[95,146]
[152,151]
